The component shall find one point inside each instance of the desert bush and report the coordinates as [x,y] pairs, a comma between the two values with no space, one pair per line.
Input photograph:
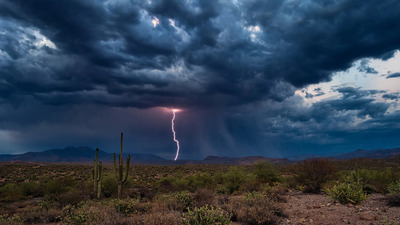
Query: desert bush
[180,201]
[37,215]
[232,180]
[266,172]
[77,215]
[130,206]
[51,216]
[203,197]
[174,183]
[206,215]
[255,208]
[31,189]
[31,215]
[10,192]
[71,197]
[201,180]
[142,193]
[58,186]
[314,173]
[109,186]
[254,194]
[349,191]
[165,218]
[377,180]
[274,192]
[94,213]
[10,220]
[394,193]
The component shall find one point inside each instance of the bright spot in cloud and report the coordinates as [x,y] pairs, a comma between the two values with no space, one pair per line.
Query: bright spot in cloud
[254,29]
[172,22]
[42,40]
[180,31]
[155,21]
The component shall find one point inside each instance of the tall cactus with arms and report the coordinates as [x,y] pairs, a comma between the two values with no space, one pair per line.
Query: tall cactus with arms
[96,175]
[119,175]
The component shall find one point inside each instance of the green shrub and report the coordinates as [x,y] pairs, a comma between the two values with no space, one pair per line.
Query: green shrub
[31,189]
[255,194]
[266,172]
[200,180]
[109,186]
[206,215]
[377,180]
[347,192]
[203,197]
[180,201]
[76,215]
[71,197]
[386,221]
[394,193]
[314,173]
[232,180]
[255,208]
[174,183]
[58,186]
[10,220]
[129,206]
[164,218]
[10,192]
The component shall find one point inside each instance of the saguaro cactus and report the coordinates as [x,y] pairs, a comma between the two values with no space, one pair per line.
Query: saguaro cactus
[121,178]
[96,175]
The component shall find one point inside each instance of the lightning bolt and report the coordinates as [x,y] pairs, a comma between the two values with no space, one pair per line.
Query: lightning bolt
[173,131]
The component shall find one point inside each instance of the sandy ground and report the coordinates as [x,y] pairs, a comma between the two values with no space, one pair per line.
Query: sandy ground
[319,209]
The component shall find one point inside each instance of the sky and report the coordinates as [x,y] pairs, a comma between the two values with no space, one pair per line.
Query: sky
[276,78]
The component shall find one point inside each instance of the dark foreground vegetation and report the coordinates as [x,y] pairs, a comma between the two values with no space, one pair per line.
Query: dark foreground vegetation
[189,194]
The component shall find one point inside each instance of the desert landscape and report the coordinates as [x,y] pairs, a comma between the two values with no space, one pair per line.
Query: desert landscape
[199,112]
[311,191]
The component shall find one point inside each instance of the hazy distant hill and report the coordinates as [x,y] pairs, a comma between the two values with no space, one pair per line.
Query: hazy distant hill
[372,154]
[243,160]
[76,154]
[86,154]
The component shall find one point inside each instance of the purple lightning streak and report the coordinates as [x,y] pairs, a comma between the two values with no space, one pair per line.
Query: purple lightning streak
[173,131]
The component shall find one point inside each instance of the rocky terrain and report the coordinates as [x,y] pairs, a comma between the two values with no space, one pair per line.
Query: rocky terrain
[319,209]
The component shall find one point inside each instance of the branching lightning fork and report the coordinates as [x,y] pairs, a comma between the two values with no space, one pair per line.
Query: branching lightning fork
[174,133]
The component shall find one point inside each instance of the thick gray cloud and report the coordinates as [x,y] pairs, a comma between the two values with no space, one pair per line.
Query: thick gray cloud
[214,58]
[391,96]
[393,75]
[227,53]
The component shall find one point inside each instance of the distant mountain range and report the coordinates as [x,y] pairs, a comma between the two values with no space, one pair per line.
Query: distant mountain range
[77,154]
[249,160]
[86,154]
[372,154]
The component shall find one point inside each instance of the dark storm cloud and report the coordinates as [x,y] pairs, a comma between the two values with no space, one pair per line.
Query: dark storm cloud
[234,65]
[330,125]
[318,92]
[391,96]
[356,99]
[364,67]
[356,93]
[230,53]
[393,75]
